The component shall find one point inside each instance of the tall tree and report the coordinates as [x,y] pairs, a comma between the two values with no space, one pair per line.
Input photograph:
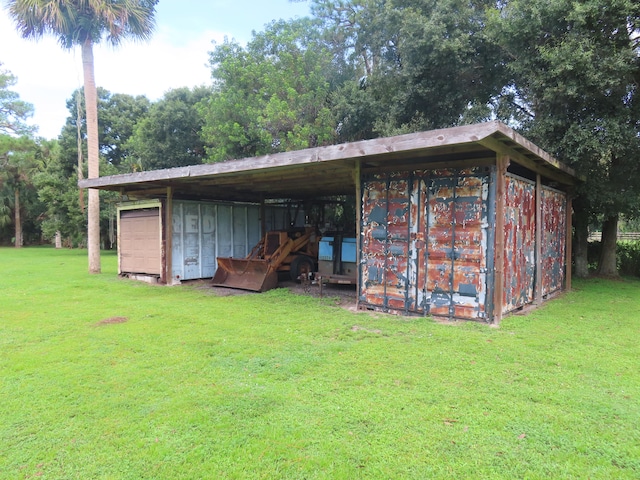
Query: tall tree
[415,65]
[16,153]
[84,23]
[271,96]
[575,74]
[169,134]
[17,168]
[13,111]
[118,114]
[57,185]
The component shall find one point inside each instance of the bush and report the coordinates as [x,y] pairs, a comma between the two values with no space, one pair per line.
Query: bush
[629,258]
[628,253]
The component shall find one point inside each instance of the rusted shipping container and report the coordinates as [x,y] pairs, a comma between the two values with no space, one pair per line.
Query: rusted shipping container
[424,242]
[428,242]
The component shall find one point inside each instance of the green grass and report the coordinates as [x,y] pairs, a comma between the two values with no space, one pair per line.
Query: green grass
[284,386]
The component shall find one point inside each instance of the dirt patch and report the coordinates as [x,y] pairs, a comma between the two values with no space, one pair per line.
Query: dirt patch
[228,292]
[111,321]
[358,328]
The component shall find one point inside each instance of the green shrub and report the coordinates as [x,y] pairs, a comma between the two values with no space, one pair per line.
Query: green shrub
[628,253]
[629,258]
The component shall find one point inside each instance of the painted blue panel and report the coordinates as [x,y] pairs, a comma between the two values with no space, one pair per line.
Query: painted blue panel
[177,265]
[349,250]
[191,237]
[325,249]
[240,247]
[208,242]
[225,232]
[254,232]
[203,231]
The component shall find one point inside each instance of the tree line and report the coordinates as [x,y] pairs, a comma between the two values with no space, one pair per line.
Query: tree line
[565,74]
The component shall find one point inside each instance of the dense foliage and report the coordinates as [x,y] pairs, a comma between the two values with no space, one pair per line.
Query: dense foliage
[574,76]
[627,257]
[413,65]
[168,135]
[13,111]
[271,96]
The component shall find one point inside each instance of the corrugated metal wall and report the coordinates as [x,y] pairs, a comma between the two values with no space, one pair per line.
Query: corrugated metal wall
[386,277]
[203,231]
[519,243]
[554,227]
[427,244]
[424,242]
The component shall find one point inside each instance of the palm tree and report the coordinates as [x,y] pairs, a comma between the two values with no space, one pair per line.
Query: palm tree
[84,23]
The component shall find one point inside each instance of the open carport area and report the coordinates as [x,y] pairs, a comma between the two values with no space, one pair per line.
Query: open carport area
[468,222]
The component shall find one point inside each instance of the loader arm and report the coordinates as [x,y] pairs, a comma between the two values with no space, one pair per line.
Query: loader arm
[257,271]
[291,245]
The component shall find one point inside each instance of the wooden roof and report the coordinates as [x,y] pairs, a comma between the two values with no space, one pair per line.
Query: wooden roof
[330,170]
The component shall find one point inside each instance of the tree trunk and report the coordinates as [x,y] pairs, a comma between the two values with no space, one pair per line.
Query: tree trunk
[17,219]
[79,142]
[93,160]
[580,241]
[58,240]
[607,265]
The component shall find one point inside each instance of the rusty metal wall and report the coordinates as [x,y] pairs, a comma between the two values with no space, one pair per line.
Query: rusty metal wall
[520,243]
[554,227]
[385,243]
[425,242]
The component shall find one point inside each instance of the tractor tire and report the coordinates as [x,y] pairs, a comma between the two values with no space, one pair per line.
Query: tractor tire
[299,266]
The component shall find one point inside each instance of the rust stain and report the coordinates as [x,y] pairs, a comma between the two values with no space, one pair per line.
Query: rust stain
[424,242]
[554,208]
[520,238]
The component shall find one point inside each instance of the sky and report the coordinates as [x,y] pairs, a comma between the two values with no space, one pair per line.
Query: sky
[176,56]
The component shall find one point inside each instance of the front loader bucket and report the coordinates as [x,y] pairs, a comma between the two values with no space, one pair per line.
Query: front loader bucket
[245,274]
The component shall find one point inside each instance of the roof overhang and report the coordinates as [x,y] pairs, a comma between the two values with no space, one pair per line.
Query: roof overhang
[331,170]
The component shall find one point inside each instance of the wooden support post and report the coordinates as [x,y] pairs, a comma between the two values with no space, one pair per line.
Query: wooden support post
[568,242]
[358,183]
[537,292]
[168,237]
[498,287]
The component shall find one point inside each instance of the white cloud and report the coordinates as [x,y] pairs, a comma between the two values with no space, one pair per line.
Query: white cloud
[153,68]
[175,57]
[48,75]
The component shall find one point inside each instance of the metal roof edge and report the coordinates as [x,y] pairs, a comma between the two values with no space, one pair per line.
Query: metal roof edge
[418,141]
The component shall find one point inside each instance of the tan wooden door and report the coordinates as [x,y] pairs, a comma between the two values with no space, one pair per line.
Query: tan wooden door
[140,240]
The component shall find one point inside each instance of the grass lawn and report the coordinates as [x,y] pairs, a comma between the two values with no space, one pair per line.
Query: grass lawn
[284,386]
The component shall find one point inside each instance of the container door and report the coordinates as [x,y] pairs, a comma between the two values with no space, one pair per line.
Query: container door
[554,215]
[387,280]
[208,240]
[457,241]
[225,231]
[519,242]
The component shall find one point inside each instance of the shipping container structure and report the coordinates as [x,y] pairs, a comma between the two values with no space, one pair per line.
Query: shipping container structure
[469,222]
[200,232]
[430,242]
